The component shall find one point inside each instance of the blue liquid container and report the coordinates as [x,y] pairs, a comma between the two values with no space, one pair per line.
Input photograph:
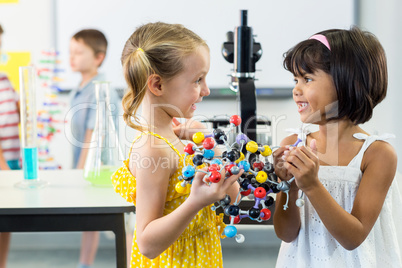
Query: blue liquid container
[29,132]
[30,163]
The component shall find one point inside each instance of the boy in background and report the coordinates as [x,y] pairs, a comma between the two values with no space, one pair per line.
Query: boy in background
[87,52]
[9,141]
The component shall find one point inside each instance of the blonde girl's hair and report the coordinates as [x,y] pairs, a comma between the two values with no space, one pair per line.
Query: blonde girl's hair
[154,48]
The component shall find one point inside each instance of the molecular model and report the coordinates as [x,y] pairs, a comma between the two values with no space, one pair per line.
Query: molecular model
[258,178]
[50,112]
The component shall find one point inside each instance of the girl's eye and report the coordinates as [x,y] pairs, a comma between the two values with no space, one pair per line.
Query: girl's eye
[198,81]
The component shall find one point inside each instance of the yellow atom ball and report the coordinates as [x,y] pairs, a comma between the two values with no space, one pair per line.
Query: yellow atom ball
[252,146]
[267,151]
[261,177]
[179,188]
[198,137]
[240,158]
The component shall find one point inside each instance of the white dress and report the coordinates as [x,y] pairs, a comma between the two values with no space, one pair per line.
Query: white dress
[316,247]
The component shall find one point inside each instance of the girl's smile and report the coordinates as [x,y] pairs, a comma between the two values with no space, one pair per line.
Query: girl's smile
[302,106]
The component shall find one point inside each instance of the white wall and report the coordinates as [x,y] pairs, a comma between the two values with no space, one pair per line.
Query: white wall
[275,24]
[384,20]
[28,26]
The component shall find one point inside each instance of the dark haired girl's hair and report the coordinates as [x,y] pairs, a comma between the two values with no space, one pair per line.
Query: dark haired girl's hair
[357,64]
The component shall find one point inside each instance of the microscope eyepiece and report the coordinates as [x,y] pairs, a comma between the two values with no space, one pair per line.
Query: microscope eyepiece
[243,18]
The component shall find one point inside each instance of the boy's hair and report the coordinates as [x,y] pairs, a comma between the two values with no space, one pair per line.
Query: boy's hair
[154,48]
[95,39]
[357,64]
[1,30]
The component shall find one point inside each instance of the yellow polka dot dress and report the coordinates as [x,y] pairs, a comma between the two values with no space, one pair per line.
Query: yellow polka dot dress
[198,246]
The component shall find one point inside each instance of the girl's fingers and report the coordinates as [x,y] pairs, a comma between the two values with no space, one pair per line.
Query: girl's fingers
[313,146]
[223,185]
[198,177]
[278,152]
[175,121]
[295,161]
[233,178]
[285,155]
[227,183]
[304,154]
[230,178]
[308,154]
[291,168]
[222,171]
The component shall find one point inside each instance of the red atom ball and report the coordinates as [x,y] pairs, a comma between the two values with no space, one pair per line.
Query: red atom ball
[235,119]
[189,149]
[214,167]
[260,192]
[215,177]
[208,143]
[245,193]
[228,168]
[258,165]
[267,214]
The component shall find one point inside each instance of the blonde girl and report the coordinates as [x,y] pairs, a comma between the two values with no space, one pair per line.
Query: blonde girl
[165,66]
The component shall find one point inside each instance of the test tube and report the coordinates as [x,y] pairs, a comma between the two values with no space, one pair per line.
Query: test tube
[29,129]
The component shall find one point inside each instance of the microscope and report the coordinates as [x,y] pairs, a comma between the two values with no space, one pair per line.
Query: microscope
[241,50]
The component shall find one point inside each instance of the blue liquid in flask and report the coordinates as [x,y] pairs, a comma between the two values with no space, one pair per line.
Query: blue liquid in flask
[30,163]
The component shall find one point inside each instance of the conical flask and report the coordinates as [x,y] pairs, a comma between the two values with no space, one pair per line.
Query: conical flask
[104,154]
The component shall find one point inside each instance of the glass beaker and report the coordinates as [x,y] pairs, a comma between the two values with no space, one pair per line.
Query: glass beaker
[104,155]
[29,129]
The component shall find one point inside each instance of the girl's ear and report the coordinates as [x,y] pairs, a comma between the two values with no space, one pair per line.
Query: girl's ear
[155,84]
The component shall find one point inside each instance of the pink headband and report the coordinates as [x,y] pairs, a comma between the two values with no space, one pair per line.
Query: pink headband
[322,39]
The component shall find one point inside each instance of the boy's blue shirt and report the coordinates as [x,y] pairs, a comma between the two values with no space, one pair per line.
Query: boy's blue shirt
[83,103]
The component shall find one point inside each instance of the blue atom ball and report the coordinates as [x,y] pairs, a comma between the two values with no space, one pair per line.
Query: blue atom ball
[230,231]
[216,161]
[244,165]
[209,154]
[188,171]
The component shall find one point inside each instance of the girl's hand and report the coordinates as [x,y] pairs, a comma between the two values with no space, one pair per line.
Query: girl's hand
[303,163]
[203,194]
[185,131]
[280,169]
